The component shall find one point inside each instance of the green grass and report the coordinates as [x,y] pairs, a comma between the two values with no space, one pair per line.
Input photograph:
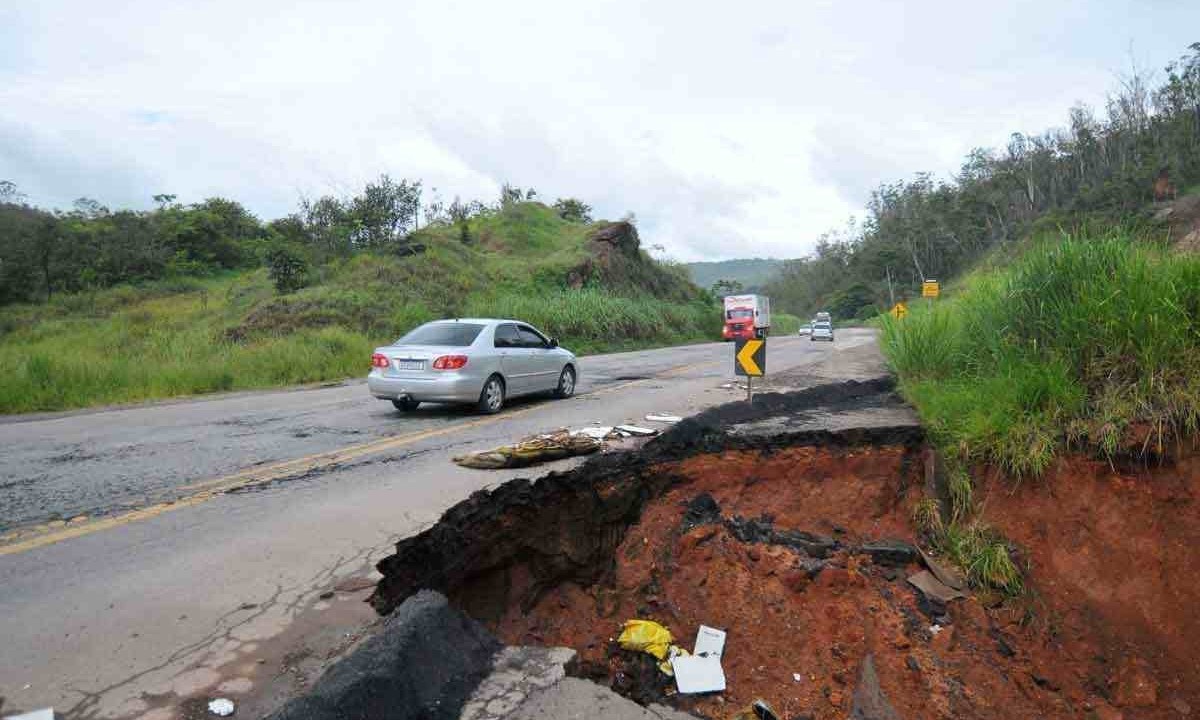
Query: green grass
[1077,340]
[230,332]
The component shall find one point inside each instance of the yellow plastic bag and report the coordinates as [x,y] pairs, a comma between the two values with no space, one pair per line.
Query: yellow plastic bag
[647,636]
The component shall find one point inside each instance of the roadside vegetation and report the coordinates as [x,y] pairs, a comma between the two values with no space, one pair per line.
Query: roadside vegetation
[153,310]
[1105,167]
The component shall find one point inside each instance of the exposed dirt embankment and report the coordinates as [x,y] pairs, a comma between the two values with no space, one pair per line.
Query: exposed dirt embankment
[799,543]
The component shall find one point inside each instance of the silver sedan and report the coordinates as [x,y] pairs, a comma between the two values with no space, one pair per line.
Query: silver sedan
[480,361]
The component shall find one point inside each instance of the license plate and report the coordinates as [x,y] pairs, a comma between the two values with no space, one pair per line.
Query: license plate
[410,364]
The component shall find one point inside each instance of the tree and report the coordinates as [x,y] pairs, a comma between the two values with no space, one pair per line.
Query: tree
[9,193]
[384,213]
[573,210]
[287,267]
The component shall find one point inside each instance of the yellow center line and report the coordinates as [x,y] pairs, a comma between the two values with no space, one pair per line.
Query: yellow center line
[20,541]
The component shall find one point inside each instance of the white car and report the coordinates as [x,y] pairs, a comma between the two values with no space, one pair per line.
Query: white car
[821,331]
[805,329]
[482,362]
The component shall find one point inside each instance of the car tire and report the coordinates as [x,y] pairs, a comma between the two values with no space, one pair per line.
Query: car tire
[491,397]
[566,383]
[406,404]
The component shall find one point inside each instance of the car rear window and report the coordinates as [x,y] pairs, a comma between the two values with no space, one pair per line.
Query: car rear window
[442,333]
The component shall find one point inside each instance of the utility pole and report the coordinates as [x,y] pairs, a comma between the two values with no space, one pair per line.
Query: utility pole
[891,293]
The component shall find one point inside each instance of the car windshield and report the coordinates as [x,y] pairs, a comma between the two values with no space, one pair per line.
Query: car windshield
[452,334]
[740,314]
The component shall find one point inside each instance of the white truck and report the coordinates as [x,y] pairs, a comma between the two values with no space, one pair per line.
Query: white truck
[746,317]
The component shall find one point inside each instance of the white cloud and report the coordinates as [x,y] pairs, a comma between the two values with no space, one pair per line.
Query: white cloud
[728,130]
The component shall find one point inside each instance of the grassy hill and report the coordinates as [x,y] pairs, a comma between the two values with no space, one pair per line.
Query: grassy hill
[590,284]
[750,272]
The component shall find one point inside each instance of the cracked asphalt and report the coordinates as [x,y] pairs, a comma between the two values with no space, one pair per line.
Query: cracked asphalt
[216,528]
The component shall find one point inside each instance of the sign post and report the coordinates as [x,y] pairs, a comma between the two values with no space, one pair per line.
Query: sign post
[750,361]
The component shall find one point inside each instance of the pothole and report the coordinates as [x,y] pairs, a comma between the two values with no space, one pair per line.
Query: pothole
[796,540]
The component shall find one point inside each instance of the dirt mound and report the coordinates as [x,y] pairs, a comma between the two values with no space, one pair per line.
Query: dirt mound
[615,260]
[1183,218]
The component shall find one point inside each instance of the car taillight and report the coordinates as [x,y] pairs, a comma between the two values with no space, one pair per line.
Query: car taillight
[449,362]
[379,360]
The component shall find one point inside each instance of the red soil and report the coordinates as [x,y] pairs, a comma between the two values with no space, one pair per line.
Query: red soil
[1107,625]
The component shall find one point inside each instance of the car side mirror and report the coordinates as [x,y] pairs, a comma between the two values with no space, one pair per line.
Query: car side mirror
[553,342]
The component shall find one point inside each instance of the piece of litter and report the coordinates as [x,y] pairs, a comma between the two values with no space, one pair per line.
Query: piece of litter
[595,433]
[931,587]
[695,674]
[797,677]
[935,629]
[727,385]
[710,642]
[222,707]
[763,711]
[637,430]
[43,714]
[655,417]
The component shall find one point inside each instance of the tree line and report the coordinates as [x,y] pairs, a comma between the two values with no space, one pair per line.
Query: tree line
[1146,144]
[46,252]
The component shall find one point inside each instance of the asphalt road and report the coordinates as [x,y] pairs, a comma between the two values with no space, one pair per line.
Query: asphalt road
[157,552]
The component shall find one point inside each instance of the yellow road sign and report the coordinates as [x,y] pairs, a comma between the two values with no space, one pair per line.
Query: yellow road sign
[899,310]
[750,358]
[930,288]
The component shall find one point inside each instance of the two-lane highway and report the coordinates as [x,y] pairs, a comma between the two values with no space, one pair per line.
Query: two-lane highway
[210,527]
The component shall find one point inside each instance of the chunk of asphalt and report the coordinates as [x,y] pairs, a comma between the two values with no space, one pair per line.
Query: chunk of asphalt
[701,510]
[762,531]
[893,553]
[422,665]
[869,702]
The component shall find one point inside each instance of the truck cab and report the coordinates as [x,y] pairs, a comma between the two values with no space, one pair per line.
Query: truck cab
[746,317]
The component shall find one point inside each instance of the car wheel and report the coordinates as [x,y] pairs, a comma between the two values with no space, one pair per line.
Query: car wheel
[491,398]
[566,383]
[406,404]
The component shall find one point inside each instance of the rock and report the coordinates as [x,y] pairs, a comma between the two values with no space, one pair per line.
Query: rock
[893,553]
[701,510]
[869,702]
[811,566]
[423,664]
[1180,706]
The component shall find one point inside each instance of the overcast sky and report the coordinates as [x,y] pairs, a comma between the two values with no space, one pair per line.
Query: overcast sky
[729,129]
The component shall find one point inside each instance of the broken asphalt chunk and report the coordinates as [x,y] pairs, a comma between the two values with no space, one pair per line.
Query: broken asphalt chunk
[869,702]
[948,575]
[701,510]
[895,553]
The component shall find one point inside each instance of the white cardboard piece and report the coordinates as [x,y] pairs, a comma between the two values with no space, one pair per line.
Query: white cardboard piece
[695,674]
[658,417]
[710,642]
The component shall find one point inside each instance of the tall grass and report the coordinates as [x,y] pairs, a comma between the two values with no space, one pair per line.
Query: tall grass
[1079,339]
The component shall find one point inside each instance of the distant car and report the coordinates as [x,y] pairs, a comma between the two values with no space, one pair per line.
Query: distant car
[821,331]
[805,329]
[483,362]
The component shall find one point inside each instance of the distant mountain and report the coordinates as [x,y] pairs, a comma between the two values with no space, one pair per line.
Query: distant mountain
[752,273]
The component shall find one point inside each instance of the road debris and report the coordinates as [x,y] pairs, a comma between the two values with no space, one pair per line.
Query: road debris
[701,672]
[646,636]
[947,575]
[933,588]
[43,714]
[659,417]
[637,430]
[221,707]
[531,451]
[595,433]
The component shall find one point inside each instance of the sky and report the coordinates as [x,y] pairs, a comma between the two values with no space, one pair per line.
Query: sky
[727,129]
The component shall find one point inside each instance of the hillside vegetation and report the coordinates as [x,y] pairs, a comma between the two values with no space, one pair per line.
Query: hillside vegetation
[1103,168]
[294,308]
[743,274]
[1089,341]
